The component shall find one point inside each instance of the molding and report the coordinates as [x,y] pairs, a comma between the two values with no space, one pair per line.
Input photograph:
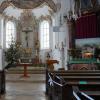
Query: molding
[25,4]
[4,5]
[47,17]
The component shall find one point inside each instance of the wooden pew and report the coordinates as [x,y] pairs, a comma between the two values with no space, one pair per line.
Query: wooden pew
[60,90]
[85,80]
[2,82]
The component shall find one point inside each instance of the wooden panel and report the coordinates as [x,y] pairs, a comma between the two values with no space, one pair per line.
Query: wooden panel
[2,82]
[87,81]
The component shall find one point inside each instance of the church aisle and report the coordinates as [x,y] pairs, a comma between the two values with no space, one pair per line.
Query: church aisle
[32,88]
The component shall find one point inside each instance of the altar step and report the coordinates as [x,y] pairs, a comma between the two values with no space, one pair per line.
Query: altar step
[30,70]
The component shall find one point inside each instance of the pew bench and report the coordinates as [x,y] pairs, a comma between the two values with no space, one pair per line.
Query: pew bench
[85,80]
[58,89]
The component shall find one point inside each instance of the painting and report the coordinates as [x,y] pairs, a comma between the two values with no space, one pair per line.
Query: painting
[95,2]
[85,4]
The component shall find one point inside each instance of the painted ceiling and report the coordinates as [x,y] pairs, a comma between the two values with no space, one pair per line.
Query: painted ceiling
[39,7]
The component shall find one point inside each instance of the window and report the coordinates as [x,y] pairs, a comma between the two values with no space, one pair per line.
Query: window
[10,33]
[44,35]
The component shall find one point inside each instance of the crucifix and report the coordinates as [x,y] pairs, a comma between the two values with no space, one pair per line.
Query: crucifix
[26,37]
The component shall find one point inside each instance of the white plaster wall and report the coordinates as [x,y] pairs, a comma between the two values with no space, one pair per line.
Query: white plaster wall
[43,53]
[61,35]
[99,1]
[56,55]
[3,32]
[58,37]
[0,32]
[1,45]
[1,64]
[1,1]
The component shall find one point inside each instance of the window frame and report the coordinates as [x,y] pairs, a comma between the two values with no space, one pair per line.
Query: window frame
[47,29]
[11,33]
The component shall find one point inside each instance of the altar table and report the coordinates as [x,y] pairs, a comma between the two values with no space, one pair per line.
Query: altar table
[25,65]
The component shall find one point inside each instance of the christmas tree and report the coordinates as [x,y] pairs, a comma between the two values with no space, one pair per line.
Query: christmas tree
[12,54]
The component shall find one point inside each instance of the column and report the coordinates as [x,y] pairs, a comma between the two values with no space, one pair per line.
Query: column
[1,43]
[71,27]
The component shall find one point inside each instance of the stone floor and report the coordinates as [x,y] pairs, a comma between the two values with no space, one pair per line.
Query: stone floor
[20,88]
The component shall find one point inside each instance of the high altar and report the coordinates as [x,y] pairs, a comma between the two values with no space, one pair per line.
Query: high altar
[28,35]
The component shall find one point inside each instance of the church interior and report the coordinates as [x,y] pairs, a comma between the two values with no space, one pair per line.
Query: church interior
[50,49]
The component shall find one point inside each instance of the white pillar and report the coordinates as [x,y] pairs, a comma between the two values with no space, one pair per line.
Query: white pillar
[1,59]
[2,32]
[2,65]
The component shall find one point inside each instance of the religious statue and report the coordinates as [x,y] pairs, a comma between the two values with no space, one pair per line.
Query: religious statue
[37,45]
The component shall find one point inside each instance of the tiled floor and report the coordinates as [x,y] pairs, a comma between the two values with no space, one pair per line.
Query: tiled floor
[32,88]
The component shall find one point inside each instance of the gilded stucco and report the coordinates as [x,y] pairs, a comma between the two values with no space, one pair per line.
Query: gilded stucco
[27,4]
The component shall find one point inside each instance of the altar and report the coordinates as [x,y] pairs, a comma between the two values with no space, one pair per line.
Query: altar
[25,65]
[83,64]
[28,34]
[82,60]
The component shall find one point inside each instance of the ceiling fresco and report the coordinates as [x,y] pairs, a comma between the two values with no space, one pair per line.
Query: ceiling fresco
[27,4]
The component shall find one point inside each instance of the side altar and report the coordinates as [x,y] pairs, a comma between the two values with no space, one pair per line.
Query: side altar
[79,60]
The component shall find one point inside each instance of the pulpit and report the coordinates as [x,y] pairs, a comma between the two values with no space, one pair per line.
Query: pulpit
[50,64]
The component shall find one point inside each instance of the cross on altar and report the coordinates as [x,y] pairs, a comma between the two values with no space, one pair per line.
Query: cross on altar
[27,30]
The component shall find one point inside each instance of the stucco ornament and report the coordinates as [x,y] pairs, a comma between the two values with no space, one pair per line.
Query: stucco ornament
[27,4]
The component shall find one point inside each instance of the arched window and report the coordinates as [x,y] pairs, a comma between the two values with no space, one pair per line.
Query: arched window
[44,35]
[10,33]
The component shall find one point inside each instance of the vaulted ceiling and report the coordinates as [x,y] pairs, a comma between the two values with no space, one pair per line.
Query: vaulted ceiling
[39,7]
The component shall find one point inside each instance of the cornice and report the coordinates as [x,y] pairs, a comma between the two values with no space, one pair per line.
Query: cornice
[27,4]
[47,17]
